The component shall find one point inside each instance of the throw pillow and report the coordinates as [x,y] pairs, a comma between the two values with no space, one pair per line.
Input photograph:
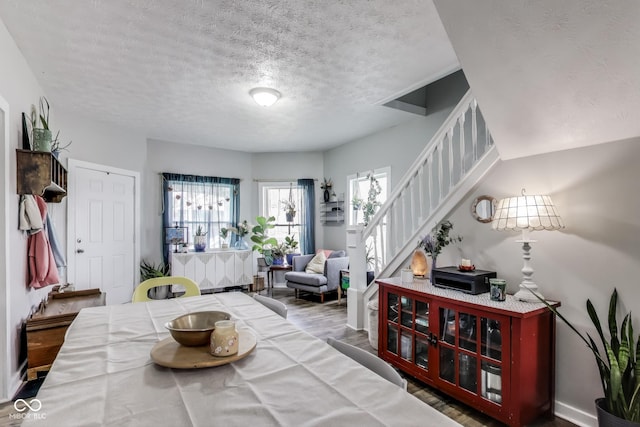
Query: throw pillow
[316,265]
[337,254]
[327,252]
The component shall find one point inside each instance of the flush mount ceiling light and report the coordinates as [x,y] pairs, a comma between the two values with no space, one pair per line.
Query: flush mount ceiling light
[264,96]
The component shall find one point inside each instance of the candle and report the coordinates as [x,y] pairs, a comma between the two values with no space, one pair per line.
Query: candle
[466,263]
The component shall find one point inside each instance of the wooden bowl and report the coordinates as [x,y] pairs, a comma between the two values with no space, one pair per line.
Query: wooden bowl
[194,329]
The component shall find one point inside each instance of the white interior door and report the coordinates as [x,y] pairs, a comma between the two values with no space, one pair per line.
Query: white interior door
[102,231]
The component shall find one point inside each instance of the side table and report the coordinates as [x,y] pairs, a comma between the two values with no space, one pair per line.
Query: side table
[46,327]
[272,269]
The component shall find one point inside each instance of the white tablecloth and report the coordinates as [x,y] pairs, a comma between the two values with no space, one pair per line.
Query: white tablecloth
[104,375]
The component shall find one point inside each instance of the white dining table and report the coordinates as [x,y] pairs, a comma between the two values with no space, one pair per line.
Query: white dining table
[104,376]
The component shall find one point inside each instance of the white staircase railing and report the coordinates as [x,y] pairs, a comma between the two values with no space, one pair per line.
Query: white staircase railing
[460,153]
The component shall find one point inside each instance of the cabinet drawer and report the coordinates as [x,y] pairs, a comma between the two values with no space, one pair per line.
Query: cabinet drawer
[43,345]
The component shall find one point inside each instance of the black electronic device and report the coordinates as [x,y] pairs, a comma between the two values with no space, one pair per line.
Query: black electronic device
[471,282]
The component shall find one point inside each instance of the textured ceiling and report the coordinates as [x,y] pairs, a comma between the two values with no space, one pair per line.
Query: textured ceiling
[550,75]
[181,70]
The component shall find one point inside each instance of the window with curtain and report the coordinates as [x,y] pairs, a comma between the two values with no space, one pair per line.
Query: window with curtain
[275,198]
[192,201]
[359,189]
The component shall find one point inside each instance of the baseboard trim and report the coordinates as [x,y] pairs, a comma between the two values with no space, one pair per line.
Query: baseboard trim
[575,415]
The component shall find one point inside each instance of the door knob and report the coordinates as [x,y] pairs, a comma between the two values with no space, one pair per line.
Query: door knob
[80,251]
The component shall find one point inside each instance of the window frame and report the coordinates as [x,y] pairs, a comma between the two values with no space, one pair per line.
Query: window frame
[362,176]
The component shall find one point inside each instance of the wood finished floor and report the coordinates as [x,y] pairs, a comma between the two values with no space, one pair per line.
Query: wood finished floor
[329,319]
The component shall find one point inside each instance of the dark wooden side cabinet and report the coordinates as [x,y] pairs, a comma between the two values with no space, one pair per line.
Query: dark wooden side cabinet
[498,357]
[46,327]
[39,172]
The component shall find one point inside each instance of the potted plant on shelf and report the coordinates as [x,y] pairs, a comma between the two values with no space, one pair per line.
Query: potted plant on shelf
[200,240]
[326,185]
[262,243]
[291,246]
[617,363]
[40,133]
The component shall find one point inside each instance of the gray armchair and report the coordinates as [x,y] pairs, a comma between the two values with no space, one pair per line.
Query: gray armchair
[313,282]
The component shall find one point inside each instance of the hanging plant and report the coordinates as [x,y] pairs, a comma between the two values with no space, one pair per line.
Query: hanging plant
[372,204]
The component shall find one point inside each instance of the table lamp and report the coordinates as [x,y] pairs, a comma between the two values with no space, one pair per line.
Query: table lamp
[526,213]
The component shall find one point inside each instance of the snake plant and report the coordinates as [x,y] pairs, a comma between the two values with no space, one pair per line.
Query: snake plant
[617,360]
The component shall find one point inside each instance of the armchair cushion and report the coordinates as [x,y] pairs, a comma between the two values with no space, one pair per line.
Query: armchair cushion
[316,265]
[337,254]
[311,279]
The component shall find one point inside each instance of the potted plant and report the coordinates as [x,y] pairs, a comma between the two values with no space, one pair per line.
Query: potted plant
[149,270]
[617,363]
[291,246]
[278,252]
[224,234]
[289,207]
[433,244]
[200,240]
[41,135]
[262,243]
[57,146]
[326,185]
[372,204]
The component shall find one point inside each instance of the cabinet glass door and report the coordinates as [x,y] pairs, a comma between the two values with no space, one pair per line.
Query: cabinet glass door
[393,310]
[406,313]
[491,345]
[421,324]
[447,338]
[458,348]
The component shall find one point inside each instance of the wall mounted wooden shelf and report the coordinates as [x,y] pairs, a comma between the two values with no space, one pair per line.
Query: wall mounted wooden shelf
[39,172]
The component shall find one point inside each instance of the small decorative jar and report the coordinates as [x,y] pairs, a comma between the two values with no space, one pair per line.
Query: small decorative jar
[497,289]
[224,339]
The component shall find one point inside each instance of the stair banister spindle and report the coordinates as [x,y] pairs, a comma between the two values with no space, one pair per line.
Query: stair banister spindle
[450,160]
[421,190]
[463,146]
[440,170]
[474,129]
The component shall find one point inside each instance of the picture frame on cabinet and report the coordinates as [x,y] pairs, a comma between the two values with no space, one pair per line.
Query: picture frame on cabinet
[176,236]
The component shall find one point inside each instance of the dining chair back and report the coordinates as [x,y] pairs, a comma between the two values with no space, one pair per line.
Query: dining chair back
[140,294]
[272,304]
[370,361]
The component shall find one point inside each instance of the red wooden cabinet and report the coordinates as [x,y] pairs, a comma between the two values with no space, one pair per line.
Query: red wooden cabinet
[497,357]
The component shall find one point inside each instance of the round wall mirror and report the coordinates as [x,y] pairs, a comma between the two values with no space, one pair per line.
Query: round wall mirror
[483,208]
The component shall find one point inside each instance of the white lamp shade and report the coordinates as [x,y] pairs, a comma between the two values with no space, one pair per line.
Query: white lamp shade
[264,96]
[526,213]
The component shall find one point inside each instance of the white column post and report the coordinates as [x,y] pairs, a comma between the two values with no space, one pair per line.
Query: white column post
[356,249]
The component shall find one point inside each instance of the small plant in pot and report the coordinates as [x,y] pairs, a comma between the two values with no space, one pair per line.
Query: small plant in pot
[291,248]
[262,243]
[200,240]
[289,207]
[617,363]
[41,135]
[224,235]
[278,252]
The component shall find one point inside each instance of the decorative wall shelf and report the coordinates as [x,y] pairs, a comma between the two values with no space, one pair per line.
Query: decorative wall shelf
[332,212]
[39,172]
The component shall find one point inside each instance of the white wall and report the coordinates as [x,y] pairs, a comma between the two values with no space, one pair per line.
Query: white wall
[595,190]
[397,147]
[18,86]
